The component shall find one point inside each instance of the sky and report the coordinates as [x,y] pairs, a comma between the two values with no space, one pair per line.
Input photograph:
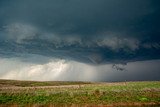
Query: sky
[80,40]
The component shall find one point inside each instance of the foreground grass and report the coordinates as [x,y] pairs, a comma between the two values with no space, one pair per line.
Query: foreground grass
[83,93]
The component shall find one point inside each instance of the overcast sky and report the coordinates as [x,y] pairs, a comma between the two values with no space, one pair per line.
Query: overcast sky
[86,40]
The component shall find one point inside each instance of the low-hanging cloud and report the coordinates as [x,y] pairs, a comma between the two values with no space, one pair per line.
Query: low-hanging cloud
[20,32]
[28,38]
[116,43]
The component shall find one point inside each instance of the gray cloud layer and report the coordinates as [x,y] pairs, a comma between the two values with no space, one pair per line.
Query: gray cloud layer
[94,31]
[91,40]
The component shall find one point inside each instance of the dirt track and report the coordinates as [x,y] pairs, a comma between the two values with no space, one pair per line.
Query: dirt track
[41,87]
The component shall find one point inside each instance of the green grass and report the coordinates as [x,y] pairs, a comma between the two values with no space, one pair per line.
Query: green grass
[84,93]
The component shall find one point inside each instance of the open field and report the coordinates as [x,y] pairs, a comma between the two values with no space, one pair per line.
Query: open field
[75,94]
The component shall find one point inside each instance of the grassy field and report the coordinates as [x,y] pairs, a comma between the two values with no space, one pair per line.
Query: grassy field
[79,93]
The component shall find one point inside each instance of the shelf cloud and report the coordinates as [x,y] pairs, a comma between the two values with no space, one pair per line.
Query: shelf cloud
[90,33]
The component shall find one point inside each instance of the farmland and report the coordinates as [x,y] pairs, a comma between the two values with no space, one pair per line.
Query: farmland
[77,94]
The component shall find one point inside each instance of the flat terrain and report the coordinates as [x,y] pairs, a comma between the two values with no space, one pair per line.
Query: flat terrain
[75,94]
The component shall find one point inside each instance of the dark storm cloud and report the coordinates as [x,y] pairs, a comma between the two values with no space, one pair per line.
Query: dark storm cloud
[97,31]
[79,17]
